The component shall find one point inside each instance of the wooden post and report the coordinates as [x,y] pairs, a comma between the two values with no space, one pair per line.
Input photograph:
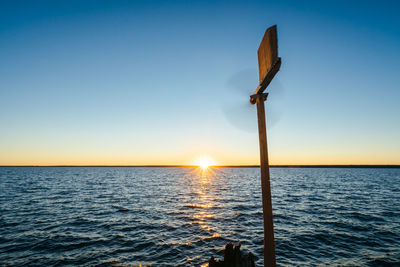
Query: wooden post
[268,65]
[269,241]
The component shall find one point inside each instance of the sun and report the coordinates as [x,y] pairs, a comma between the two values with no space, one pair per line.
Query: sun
[204,162]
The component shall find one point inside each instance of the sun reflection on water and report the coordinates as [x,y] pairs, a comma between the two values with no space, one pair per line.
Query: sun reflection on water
[204,191]
[204,200]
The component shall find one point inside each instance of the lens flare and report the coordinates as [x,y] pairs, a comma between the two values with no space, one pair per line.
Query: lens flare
[204,162]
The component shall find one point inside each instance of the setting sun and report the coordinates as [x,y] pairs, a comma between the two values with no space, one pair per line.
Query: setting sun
[204,162]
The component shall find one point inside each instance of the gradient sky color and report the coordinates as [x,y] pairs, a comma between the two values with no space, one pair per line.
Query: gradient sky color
[166,82]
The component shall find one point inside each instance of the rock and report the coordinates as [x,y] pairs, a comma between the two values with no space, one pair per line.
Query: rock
[123,210]
[233,258]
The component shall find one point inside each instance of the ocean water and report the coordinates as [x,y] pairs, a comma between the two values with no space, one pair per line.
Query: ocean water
[182,216]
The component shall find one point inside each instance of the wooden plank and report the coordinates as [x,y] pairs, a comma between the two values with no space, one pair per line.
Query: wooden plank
[267,52]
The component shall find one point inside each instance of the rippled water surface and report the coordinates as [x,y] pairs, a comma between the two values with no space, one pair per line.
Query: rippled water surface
[181,216]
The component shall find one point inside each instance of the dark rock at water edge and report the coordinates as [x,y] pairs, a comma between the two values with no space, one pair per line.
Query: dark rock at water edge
[123,210]
[233,258]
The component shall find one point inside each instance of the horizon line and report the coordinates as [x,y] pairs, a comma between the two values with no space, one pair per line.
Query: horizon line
[227,166]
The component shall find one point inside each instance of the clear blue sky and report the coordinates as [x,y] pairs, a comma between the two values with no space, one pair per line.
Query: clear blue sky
[151,82]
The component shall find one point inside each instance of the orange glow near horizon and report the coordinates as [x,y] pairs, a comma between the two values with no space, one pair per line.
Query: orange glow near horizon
[43,157]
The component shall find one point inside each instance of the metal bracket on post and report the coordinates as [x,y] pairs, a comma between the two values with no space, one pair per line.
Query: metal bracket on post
[253,98]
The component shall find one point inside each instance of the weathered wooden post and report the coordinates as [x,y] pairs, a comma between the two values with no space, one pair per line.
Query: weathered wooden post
[268,65]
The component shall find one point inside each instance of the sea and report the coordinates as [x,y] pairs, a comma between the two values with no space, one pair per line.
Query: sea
[132,216]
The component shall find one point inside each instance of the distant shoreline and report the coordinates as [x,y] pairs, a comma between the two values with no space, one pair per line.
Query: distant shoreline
[217,166]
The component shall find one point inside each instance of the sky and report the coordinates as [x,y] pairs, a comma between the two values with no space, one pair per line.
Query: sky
[168,82]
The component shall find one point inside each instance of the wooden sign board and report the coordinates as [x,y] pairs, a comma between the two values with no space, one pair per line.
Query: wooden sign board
[268,60]
[267,52]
